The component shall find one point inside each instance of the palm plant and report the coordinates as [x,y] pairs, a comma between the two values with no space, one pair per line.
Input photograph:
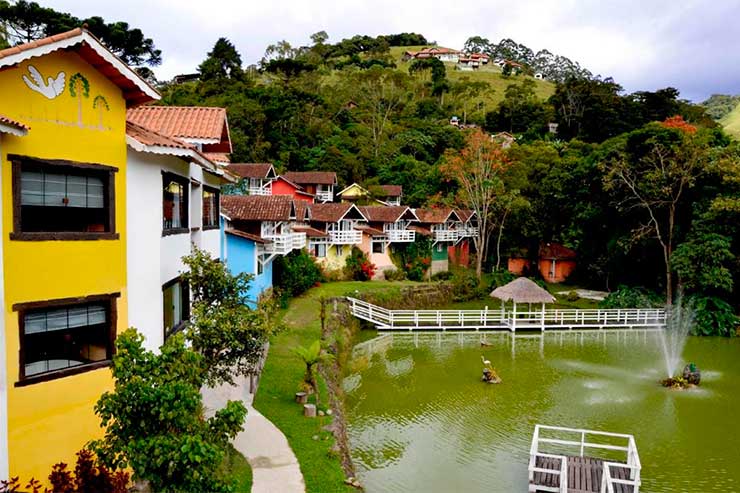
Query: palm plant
[313,356]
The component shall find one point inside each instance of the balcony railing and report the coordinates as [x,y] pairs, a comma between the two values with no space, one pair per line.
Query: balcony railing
[467,232]
[283,244]
[325,196]
[400,236]
[266,190]
[445,235]
[345,237]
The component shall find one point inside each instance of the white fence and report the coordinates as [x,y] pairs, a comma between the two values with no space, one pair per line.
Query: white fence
[283,244]
[345,237]
[584,443]
[400,235]
[501,319]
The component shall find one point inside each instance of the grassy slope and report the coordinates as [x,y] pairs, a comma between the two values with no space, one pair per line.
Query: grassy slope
[491,74]
[235,466]
[731,122]
[280,379]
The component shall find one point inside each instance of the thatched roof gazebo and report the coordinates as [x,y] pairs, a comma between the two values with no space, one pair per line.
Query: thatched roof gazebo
[523,290]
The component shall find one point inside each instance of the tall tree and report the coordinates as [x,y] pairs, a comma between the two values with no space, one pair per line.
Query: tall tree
[479,170]
[222,62]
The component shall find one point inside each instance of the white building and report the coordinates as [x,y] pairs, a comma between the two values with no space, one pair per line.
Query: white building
[172,204]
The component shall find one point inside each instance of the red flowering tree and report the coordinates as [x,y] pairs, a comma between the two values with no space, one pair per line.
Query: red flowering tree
[679,123]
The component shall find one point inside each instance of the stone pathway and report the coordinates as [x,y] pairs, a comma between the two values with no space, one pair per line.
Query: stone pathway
[274,466]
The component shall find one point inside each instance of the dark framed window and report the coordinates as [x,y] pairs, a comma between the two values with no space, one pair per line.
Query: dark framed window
[62,200]
[64,337]
[175,204]
[176,304]
[378,246]
[319,250]
[210,208]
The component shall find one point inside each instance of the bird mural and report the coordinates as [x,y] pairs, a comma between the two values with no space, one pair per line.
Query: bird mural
[51,88]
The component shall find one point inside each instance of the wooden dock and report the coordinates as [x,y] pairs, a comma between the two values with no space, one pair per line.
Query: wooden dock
[552,469]
[585,475]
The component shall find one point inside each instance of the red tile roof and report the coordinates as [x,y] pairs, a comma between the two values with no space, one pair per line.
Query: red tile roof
[185,122]
[465,214]
[383,213]
[435,216]
[13,123]
[310,232]
[420,230]
[312,177]
[556,251]
[135,89]
[257,207]
[218,157]
[242,234]
[392,190]
[251,170]
[149,137]
[329,212]
[369,230]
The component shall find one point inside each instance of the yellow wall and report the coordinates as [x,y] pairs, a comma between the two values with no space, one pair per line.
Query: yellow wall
[332,261]
[49,421]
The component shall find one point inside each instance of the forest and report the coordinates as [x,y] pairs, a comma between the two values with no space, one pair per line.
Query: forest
[644,186]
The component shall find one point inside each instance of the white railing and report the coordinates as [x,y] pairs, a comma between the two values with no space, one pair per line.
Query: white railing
[284,243]
[325,196]
[445,235]
[345,237]
[266,190]
[400,235]
[502,319]
[467,232]
[583,441]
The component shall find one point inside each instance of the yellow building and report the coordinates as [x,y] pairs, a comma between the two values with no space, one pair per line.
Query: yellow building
[335,233]
[63,104]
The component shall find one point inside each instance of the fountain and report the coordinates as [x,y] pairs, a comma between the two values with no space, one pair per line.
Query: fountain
[680,319]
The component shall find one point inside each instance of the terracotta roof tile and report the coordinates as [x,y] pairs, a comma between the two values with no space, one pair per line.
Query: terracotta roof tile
[392,190]
[151,138]
[369,230]
[310,232]
[40,42]
[242,234]
[218,157]
[186,122]
[420,230]
[257,207]
[251,170]
[465,214]
[556,251]
[329,212]
[312,177]
[301,210]
[435,216]
[13,123]
[383,213]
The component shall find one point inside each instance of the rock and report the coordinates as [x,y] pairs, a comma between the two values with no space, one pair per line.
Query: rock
[309,410]
[329,412]
[321,413]
[301,397]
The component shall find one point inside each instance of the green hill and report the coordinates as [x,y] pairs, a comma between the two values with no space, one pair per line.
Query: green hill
[731,122]
[491,74]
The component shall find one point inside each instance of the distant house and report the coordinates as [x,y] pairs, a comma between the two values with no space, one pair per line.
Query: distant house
[318,183]
[386,225]
[440,53]
[376,195]
[539,75]
[556,262]
[283,186]
[467,229]
[441,225]
[473,60]
[390,194]
[504,138]
[455,121]
[257,177]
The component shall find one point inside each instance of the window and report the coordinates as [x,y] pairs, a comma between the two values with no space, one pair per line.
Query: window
[210,208]
[340,250]
[378,246]
[62,200]
[61,337]
[175,204]
[319,250]
[176,300]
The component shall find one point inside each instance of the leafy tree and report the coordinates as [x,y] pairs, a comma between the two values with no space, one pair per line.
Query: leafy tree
[520,111]
[154,422]
[713,316]
[477,44]
[223,328]
[703,263]
[223,62]
[296,273]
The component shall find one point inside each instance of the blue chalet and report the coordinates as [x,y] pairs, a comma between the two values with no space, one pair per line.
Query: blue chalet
[255,229]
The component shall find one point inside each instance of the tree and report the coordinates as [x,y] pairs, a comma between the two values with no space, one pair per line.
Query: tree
[478,170]
[154,422]
[223,328]
[312,357]
[477,44]
[703,263]
[652,170]
[520,110]
[223,62]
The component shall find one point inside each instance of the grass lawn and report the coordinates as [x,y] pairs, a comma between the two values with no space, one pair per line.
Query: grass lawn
[235,466]
[731,122]
[280,379]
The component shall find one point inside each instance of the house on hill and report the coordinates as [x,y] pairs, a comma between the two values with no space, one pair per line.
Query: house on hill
[282,186]
[256,178]
[374,195]
[337,224]
[556,262]
[386,225]
[438,52]
[473,60]
[321,184]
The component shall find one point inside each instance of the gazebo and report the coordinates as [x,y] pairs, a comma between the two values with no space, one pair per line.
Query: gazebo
[522,290]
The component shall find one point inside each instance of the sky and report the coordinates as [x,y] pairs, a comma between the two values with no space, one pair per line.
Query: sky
[643,44]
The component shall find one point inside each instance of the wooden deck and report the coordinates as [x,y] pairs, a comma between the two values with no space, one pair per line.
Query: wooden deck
[584,475]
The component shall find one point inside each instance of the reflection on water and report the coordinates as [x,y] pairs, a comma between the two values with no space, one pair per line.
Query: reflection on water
[421,420]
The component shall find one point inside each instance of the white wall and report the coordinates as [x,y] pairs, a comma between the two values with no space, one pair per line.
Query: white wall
[4,472]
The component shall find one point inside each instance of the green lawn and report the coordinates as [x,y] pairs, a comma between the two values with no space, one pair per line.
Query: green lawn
[280,379]
[731,122]
[235,466]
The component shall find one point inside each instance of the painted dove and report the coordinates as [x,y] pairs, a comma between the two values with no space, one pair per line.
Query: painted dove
[52,88]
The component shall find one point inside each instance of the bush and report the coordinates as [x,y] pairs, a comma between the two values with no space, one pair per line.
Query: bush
[466,285]
[500,278]
[295,273]
[572,296]
[358,267]
[713,316]
[394,275]
[629,297]
[444,275]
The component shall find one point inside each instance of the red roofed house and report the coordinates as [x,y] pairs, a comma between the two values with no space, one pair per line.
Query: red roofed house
[442,225]
[283,186]
[319,183]
[256,178]
[556,262]
[440,53]
[467,228]
[386,225]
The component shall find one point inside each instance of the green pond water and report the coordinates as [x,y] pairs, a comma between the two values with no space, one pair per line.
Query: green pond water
[420,419]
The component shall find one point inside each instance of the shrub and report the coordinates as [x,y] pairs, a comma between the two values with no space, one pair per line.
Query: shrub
[501,277]
[572,296]
[630,297]
[466,285]
[444,275]
[394,275]
[414,258]
[295,273]
[713,316]
[358,267]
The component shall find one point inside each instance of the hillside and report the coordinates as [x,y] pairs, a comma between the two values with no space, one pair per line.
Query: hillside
[491,74]
[731,122]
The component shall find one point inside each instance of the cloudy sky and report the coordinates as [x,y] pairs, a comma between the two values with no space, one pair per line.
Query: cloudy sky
[643,44]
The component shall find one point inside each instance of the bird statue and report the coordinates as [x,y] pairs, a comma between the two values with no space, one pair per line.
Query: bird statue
[485,361]
[50,88]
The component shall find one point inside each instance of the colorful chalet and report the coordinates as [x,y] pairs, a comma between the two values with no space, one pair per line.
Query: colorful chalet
[442,226]
[64,234]
[374,195]
[173,205]
[338,222]
[282,186]
[321,184]
[467,229]
[386,226]
[556,262]
[255,178]
[256,229]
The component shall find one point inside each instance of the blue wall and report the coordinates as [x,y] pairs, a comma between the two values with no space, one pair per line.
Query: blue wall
[240,255]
